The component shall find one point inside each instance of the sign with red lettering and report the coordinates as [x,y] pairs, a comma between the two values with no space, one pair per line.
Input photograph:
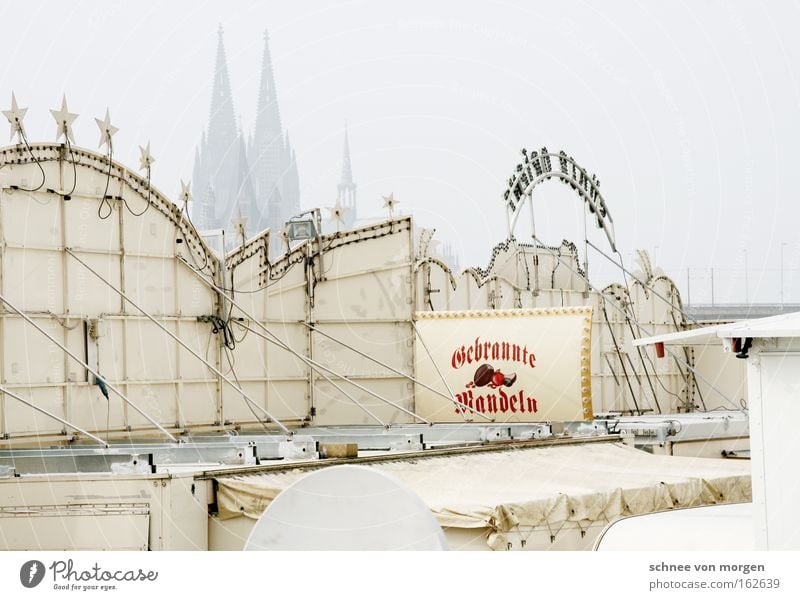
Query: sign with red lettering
[521,365]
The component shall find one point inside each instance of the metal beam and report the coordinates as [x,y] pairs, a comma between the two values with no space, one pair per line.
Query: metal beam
[286,347]
[183,345]
[110,386]
[398,372]
[8,392]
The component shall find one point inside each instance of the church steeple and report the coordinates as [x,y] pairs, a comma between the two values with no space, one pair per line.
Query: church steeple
[268,151]
[215,161]
[275,178]
[253,173]
[347,187]
[221,122]
[347,169]
[268,117]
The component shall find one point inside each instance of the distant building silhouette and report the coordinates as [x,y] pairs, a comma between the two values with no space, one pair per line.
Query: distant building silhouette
[254,178]
[345,193]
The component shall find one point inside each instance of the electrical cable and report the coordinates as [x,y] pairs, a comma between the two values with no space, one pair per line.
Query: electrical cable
[104,199]
[232,364]
[36,160]
[125,202]
[74,168]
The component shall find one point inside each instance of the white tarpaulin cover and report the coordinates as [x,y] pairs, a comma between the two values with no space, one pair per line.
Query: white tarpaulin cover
[531,487]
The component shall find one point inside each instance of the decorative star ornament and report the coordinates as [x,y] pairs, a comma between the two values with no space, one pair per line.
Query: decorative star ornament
[390,203]
[145,158]
[15,116]
[106,131]
[337,213]
[186,192]
[64,120]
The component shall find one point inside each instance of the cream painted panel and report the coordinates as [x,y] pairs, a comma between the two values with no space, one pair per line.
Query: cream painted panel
[199,338]
[88,295]
[151,352]
[50,529]
[196,298]
[236,409]
[198,403]
[158,401]
[110,347]
[288,399]
[32,280]
[76,342]
[378,295]
[89,409]
[29,357]
[387,251]
[85,229]
[23,419]
[150,283]
[31,218]
[723,371]
[249,357]
[440,289]
[286,297]
[27,175]
[334,408]
[390,343]
[246,281]
[149,233]
[280,362]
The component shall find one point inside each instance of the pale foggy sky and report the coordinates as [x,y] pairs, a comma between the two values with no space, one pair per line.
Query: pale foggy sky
[687,112]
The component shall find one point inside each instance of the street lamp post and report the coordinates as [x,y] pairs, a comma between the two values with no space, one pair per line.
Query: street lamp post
[746,282]
[783,245]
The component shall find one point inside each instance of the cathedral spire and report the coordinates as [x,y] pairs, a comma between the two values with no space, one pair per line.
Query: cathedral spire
[347,188]
[275,183]
[267,109]
[221,122]
[216,159]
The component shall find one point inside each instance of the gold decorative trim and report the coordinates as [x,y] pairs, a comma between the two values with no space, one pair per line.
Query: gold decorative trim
[511,312]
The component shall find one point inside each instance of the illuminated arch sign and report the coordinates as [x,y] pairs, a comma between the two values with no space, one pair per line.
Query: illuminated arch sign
[521,365]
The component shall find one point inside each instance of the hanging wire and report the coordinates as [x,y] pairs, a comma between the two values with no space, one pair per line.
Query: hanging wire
[146,208]
[36,160]
[185,210]
[104,199]
[74,168]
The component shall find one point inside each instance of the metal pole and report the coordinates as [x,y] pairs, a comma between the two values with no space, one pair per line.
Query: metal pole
[294,352]
[585,249]
[312,365]
[183,345]
[110,386]
[8,392]
[405,375]
[712,286]
[535,249]
[635,278]
[435,366]
[671,353]
[783,245]
[688,287]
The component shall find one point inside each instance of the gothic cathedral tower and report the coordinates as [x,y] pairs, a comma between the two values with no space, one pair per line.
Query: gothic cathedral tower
[232,179]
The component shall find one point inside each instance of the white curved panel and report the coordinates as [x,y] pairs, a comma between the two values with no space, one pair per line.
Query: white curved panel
[347,508]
